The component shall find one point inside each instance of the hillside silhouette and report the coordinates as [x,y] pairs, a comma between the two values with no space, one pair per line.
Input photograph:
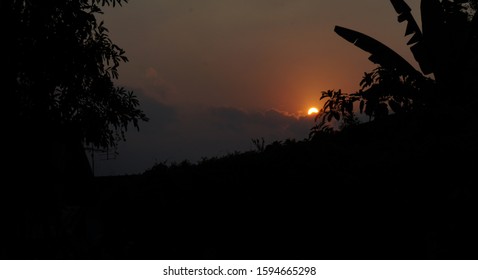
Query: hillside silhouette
[401,188]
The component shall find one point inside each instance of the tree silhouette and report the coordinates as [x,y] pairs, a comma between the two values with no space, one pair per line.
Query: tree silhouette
[443,46]
[446,47]
[59,81]
[447,44]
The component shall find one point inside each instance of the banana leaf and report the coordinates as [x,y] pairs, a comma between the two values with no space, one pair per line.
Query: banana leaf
[380,53]
[416,42]
[401,6]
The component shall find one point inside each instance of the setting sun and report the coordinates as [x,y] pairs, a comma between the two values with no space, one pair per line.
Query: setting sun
[313,111]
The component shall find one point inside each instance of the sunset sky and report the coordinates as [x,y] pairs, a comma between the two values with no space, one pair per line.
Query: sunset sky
[214,74]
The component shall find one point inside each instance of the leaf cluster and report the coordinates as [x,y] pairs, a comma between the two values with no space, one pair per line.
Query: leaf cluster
[62,64]
[383,91]
[337,112]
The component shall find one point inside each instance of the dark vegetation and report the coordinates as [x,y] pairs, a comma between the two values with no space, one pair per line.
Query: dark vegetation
[59,91]
[402,186]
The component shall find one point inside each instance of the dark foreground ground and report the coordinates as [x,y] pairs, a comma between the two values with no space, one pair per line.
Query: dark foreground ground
[404,188]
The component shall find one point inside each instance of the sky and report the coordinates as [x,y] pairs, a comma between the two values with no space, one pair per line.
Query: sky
[214,74]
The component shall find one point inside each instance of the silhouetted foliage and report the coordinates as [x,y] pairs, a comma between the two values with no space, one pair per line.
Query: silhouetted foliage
[446,47]
[58,95]
[337,112]
[61,65]
[383,91]
[259,144]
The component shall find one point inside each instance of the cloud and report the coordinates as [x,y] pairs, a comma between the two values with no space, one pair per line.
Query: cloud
[155,86]
[175,133]
[272,124]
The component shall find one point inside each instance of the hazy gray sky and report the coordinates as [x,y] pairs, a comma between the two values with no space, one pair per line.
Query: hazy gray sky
[213,74]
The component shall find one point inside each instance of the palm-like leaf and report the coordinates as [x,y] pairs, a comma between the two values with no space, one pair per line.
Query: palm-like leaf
[416,43]
[381,54]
